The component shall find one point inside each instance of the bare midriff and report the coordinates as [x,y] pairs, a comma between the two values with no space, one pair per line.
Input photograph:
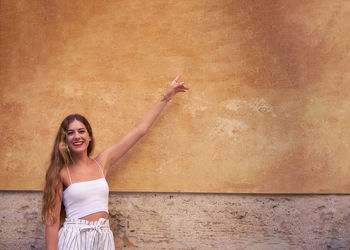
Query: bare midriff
[95,216]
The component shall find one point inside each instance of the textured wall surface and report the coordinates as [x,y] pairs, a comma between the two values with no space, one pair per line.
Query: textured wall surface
[197,221]
[267,112]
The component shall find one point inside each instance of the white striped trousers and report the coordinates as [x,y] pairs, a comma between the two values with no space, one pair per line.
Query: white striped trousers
[79,234]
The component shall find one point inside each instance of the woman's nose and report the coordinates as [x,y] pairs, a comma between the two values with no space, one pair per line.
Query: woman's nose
[76,134]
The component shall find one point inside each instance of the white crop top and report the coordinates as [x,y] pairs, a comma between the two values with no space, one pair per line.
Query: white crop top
[86,197]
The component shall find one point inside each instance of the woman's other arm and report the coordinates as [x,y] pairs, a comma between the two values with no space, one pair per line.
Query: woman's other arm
[111,155]
[51,230]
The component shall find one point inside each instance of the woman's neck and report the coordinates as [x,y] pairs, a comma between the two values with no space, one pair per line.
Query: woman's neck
[80,159]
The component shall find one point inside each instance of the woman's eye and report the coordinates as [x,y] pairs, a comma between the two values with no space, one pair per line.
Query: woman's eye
[81,131]
[69,133]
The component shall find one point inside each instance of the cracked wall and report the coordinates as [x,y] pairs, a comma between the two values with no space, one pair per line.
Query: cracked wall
[197,221]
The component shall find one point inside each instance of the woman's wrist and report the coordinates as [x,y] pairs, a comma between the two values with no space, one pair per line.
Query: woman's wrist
[165,97]
[168,95]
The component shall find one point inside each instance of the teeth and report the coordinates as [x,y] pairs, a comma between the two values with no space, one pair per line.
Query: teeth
[77,143]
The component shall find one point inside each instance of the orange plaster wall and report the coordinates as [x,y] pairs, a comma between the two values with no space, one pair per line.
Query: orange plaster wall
[268,110]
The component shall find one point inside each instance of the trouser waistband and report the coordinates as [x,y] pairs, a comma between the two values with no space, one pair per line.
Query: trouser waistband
[83,225]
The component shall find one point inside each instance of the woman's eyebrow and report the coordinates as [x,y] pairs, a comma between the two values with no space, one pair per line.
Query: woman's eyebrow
[75,129]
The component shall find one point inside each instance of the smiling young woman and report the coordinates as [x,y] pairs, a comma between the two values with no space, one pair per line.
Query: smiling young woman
[78,138]
[76,190]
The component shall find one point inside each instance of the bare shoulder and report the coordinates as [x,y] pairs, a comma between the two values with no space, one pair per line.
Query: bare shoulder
[64,177]
[102,161]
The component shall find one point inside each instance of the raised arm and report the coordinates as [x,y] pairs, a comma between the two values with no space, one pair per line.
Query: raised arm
[111,155]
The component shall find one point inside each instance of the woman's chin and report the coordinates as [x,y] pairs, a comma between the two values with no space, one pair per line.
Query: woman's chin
[78,150]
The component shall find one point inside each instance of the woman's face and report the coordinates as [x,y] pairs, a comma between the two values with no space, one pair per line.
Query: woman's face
[78,137]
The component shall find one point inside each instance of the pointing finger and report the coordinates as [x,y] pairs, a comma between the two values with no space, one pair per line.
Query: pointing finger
[176,79]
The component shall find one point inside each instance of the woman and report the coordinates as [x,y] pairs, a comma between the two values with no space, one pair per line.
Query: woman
[76,184]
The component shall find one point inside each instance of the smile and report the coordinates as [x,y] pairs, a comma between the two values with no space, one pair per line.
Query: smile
[77,143]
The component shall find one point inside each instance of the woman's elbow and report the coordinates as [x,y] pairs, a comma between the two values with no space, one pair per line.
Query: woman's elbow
[141,130]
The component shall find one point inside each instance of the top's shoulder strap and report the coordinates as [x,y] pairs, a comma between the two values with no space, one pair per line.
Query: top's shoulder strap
[69,175]
[99,165]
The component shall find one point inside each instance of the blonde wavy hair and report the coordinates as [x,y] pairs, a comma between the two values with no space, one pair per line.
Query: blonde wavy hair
[60,157]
